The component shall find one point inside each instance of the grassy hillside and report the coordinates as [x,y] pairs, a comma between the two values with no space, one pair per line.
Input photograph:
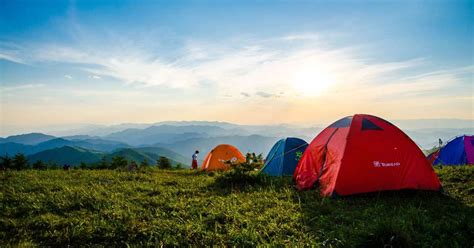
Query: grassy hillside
[149,153]
[75,155]
[158,151]
[183,208]
[67,155]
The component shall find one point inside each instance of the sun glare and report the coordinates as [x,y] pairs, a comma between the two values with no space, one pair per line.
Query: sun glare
[312,82]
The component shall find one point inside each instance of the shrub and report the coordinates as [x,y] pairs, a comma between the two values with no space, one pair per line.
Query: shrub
[83,166]
[144,164]
[20,162]
[118,162]
[255,160]
[103,164]
[6,162]
[163,163]
[39,165]
[240,175]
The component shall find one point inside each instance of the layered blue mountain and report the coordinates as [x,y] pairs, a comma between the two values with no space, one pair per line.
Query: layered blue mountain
[184,137]
[27,139]
[74,156]
[151,154]
[251,143]
[12,148]
[165,134]
[67,155]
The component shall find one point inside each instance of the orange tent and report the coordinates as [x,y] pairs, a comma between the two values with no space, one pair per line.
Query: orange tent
[215,159]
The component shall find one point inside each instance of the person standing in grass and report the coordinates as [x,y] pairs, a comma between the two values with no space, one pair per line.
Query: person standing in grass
[194,164]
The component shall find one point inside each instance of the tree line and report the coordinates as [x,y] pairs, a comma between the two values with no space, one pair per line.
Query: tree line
[20,162]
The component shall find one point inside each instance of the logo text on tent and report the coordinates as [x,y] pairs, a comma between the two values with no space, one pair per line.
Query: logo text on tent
[382,164]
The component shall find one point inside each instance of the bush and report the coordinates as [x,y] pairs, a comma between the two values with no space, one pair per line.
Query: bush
[255,160]
[144,164]
[118,162]
[39,165]
[241,175]
[6,162]
[103,164]
[163,163]
[20,162]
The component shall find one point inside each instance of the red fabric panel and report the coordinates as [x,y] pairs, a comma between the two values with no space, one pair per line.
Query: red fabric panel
[334,155]
[469,148]
[308,168]
[376,160]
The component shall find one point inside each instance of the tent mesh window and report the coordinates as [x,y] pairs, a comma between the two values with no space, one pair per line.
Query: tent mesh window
[368,125]
[344,122]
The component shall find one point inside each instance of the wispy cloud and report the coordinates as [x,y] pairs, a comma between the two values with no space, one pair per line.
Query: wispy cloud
[264,94]
[268,63]
[95,77]
[11,58]
[296,64]
[20,87]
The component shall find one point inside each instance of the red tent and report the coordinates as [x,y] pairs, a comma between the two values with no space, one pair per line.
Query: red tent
[364,153]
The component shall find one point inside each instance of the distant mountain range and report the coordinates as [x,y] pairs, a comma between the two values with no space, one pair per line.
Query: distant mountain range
[94,144]
[164,134]
[67,155]
[27,139]
[75,155]
[151,154]
[251,143]
[178,140]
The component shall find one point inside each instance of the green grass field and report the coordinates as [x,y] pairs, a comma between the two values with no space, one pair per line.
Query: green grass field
[183,208]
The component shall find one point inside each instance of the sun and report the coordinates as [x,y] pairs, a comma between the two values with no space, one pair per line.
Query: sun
[312,82]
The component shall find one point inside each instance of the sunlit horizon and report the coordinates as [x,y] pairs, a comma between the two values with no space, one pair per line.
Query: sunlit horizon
[305,63]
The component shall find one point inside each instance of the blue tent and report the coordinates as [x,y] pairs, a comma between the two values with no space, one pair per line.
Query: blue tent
[283,157]
[458,151]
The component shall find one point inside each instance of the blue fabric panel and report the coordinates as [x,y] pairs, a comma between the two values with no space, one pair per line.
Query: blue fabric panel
[282,158]
[273,162]
[293,146]
[453,153]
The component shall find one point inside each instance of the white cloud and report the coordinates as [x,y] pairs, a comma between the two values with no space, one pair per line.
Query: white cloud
[20,87]
[11,58]
[305,68]
[264,94]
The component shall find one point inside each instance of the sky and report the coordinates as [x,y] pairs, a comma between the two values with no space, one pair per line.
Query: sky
[247,62]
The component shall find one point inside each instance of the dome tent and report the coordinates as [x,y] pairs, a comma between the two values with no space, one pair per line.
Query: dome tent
[283,157]
[215,159]
[458,151]
[433,156]
[364,153]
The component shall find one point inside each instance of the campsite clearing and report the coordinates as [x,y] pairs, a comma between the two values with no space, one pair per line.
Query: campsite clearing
[78,207]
